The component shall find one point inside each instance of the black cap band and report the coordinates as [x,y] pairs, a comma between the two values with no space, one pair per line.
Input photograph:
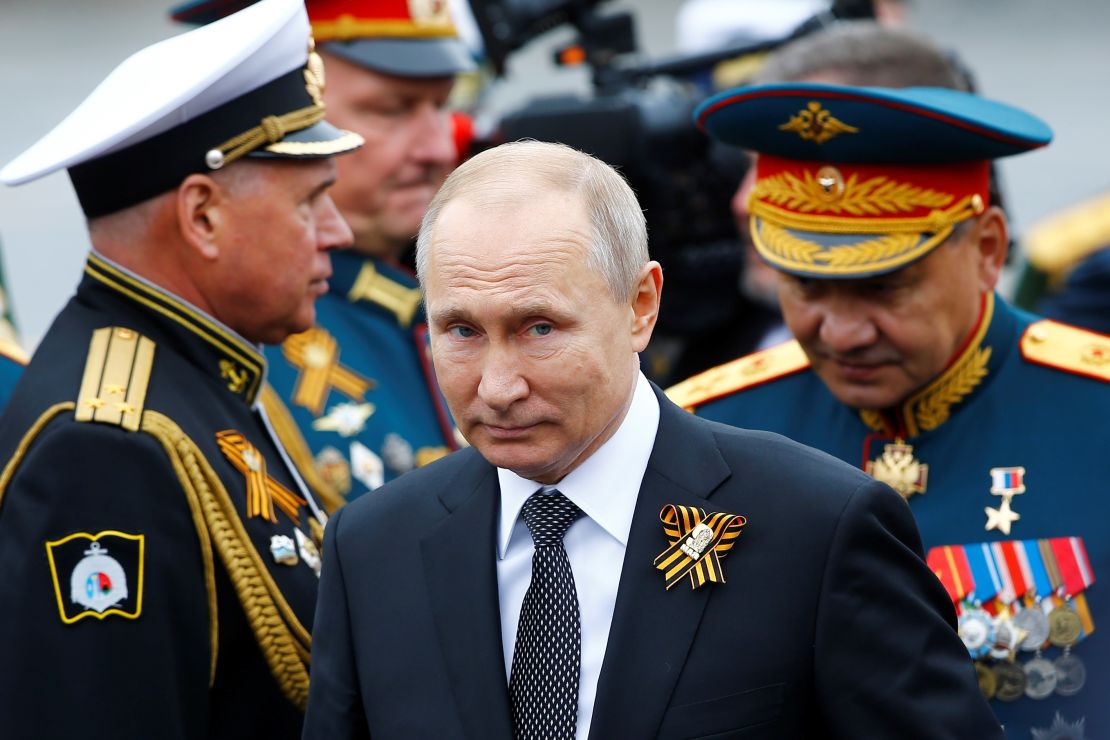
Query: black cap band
[156,165]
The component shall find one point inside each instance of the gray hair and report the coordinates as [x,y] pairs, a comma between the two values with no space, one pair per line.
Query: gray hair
[867,54]
[510,173]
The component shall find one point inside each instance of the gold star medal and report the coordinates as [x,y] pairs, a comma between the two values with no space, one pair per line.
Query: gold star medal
[1007,483]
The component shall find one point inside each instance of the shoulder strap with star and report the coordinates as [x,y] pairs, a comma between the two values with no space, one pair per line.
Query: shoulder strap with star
[748,371]
[1067,348]
[117,371]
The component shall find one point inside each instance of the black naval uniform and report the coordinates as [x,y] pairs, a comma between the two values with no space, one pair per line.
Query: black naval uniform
[144,595]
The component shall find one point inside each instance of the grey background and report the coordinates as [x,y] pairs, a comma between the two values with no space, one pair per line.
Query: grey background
[1049,56]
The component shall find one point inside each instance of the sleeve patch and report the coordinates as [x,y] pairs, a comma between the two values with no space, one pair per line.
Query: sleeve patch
[97,575]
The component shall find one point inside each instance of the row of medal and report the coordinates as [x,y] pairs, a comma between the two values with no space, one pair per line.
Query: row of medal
[1020,597]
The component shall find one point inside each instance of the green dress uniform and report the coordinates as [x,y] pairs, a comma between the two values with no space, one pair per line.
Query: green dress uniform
[1026,396]
[999,455]
[356,401]
[162,554]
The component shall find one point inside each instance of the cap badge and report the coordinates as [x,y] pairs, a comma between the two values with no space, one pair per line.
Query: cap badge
[831,183]
[698,543]
[816,124]
[429,12]
[314,74]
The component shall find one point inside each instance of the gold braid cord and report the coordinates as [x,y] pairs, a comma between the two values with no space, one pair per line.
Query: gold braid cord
[285,643]
[270,130]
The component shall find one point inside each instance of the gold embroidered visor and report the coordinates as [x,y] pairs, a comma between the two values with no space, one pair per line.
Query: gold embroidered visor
[814,219]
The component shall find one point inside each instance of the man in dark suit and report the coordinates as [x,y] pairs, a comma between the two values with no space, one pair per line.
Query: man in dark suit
[600,563]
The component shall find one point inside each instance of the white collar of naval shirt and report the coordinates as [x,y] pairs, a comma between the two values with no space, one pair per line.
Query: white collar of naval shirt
[606,484]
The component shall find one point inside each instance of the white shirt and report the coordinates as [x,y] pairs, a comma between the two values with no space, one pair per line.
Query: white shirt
[605,486]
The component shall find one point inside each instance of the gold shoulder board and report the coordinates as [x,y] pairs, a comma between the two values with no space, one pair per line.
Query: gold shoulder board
[750,370]
[1057,243]
[371,285]
[1067,348]
[11,349]
[113,388]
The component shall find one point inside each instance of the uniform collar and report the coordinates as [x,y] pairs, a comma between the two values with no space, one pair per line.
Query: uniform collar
[965,376]
[236,363]
[605,485]
[386,288]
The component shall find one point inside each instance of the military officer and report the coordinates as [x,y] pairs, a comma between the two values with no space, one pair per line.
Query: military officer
[355,399]
[873,207]
[161,554]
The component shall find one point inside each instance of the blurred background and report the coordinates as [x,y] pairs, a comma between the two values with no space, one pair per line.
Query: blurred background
[1050,57]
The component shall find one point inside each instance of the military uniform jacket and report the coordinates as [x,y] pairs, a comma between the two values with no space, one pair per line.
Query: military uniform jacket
[356,402]
[158,551]
[1027,401]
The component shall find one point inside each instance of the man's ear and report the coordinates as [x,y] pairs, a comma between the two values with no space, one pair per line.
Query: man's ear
[201,206]
[645,304]
[992,245]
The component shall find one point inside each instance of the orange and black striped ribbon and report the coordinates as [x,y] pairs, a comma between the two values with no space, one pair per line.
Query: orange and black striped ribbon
[263,492]
[679,525]
[316,353]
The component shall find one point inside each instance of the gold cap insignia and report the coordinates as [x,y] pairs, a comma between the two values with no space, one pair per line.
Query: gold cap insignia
[815,123]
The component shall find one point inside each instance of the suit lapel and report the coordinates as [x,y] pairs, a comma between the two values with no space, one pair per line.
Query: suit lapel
[462,587]
[652,627]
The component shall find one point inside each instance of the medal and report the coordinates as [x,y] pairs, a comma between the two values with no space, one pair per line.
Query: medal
[1007,637]
[988,681]
[976,631]
[307,549]
[899,469]
[1035,624]
[1071,674]
[1040,678]
[1007,483]
[1064,626]
[283,550]
[1011,681]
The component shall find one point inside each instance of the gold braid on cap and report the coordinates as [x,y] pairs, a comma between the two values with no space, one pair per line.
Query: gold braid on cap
[273,129]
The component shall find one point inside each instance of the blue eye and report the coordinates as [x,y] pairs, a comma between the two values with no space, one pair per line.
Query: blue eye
[541,330]
[462,332]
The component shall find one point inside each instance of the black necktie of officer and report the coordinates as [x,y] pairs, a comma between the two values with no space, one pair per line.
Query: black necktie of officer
[547,658]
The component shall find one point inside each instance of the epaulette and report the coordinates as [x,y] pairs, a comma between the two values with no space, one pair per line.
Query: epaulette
[1067,348]
[11,349]
[400,300]
[748,371]
[117,370]
[1059,242]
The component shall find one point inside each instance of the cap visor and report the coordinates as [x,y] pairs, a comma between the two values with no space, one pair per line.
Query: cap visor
[405,57]
[317,141]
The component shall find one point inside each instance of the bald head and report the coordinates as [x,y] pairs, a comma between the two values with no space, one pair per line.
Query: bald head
[510,176]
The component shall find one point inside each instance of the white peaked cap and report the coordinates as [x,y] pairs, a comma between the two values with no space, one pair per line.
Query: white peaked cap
[215,69]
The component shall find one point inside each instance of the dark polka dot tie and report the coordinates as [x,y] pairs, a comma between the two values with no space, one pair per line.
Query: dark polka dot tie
[543,683]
